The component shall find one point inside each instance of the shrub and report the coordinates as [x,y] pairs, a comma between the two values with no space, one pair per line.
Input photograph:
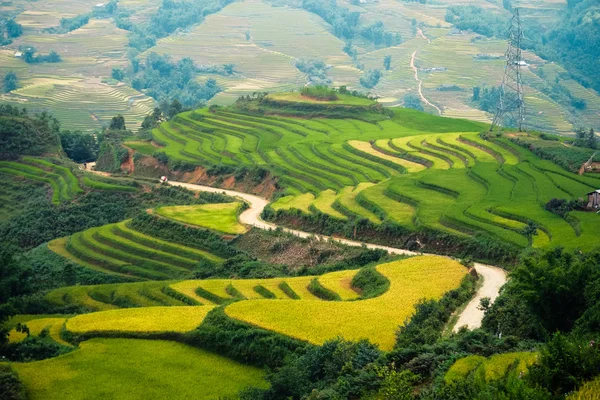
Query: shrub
[319,92]
[370,282]
[322,292]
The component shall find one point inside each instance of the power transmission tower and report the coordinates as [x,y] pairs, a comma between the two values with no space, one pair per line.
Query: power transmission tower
[511,102]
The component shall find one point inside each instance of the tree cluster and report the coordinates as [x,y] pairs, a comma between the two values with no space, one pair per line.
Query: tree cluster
[370,79]
[8,31]
[164,79]
[586,139]
[30,57]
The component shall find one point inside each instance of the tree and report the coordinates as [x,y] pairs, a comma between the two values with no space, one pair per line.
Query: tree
[117,123]
[476,93]
[592,140]
[13,29]
[387,62]
[10,82]
[80,147]
[28,55]
[53,57]
[118,74]
[174,108]
[228,68]
[413,101]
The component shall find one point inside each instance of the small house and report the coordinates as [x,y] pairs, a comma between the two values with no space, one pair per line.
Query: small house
[594,200]
[18,54]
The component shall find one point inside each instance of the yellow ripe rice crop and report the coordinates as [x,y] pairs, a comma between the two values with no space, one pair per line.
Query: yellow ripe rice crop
[218,217]
[149,319]
[366,147]
[340,282]
[589,391]
[375,319]
[246,287]
[36,326]
[463,367]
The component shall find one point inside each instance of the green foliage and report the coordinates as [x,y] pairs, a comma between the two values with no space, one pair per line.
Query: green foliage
[80,147]
[30,58]
[243,342]
[337,370]
[377,34]
[9,82]
[370,282]
[387,62]
[285,288]
[565,363]
[413,101]
[264,292]
[319,92]
[98,184]
[426,324]
[315,70]
[478,19]
[370,79]
[21,134]
[165,80]
[33,348]
[553,292]
[322,292]
[11,388]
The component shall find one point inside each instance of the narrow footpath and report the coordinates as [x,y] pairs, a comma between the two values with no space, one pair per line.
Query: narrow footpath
[493,277]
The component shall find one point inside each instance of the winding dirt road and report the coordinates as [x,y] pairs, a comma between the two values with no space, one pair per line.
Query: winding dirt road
[471,316]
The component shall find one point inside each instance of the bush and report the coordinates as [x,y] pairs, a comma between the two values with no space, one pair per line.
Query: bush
[11,388]
[322,292]
[370,282]
[319,92]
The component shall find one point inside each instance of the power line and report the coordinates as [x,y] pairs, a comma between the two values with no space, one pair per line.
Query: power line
[511,103]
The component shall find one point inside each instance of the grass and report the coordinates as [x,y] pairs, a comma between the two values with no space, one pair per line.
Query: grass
[376,319]
[217,217]
[146,320]
[136,369]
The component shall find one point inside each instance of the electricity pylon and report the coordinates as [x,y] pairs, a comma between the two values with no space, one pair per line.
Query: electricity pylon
[511,102]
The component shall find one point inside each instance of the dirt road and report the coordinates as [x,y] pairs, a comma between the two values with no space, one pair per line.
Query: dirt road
[493,277]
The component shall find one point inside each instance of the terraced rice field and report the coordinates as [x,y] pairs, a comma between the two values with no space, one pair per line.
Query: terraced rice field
[451,181]
[148,320]
[218,217]
[286,305]
[83,105]
[136,369]
[118,249]
[375,319]
[65,186]
[449,178]
[491,368]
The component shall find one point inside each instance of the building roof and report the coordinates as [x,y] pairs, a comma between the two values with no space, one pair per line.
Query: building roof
[595,191]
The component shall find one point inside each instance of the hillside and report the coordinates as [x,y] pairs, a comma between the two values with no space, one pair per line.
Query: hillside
[437,55]
[297,199]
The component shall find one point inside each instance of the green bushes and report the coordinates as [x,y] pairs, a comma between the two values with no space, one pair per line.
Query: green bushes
[264,292]
[285,288]
[319,92]
[243,342]
[322,292]
[11,388]
[370,283]
[210,296]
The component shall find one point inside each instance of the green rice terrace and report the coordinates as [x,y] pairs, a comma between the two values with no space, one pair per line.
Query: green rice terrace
[412,169]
